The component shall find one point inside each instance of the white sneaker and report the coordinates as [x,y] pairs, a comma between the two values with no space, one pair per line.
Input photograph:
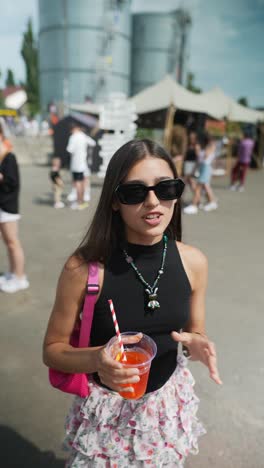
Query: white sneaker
[74,206]
[72,197]
[87,196]
[191,209]
[233,187]
[15,284]
[211,206]
[5,277]
[59,205]
[241,188]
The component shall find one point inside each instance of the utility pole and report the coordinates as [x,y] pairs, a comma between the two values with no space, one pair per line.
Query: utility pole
[65,90]
[184,22]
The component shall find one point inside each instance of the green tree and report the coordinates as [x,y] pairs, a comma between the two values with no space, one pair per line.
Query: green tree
[29,52]
[10,80]
[243,101]
[190,83]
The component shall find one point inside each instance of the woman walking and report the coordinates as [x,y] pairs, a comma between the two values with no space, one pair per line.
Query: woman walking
[15,279]
[205,150]
[190,161]
[135,236]
[240,169]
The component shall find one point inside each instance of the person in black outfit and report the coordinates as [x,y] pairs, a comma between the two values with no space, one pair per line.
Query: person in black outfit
[190,161]
[15,279]
[157,284]
[57,182]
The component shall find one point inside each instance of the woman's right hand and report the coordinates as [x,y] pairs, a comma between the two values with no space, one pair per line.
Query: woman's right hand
[113,374]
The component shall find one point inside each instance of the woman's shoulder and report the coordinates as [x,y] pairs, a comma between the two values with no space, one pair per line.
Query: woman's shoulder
[193,258]
[76,266]
[76,270]
[74,276]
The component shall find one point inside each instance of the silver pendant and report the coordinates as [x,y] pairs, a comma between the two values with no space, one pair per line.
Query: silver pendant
[153,303]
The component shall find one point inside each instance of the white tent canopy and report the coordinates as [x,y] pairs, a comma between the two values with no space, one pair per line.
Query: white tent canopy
[214,103]
[167,92]
[239,113]
[226,107]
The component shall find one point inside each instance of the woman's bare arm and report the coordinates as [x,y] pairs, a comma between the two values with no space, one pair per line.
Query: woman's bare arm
[196,267]
[57,352]
[193,336]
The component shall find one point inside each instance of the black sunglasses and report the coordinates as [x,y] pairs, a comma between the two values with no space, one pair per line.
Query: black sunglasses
[134,192]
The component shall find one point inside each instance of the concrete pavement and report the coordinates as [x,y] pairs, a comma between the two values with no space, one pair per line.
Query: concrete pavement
[32,413]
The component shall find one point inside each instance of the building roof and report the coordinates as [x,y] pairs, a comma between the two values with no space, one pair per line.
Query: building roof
[10,90]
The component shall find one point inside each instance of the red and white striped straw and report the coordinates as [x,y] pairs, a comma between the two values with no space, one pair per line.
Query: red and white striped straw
[118,334]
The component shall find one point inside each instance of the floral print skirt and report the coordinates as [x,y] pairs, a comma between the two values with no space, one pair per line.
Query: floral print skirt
[160,429]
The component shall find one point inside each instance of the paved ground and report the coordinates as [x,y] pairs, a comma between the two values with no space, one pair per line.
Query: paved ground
[32,413]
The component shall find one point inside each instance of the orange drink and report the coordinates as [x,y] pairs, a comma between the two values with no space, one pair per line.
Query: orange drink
[138,353]
[136,358]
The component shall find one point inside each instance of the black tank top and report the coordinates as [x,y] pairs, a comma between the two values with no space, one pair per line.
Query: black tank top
[190,155]
[130,301]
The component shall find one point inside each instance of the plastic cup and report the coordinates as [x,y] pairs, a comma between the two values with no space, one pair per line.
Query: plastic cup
[138,355]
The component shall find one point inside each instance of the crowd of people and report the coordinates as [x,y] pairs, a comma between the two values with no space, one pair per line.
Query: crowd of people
[198,162]
[197,169]
[26,126]
[201,152]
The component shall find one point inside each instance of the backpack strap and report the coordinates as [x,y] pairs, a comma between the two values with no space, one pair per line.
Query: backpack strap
[89,303]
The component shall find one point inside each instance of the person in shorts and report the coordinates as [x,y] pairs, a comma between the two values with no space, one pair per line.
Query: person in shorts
[77,147]
[206,150]
[15,279]
[190,161]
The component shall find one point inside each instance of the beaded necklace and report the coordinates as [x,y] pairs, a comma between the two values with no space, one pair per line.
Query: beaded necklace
[152,291]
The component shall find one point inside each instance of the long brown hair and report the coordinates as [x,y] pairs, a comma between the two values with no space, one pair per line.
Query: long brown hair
[106,231]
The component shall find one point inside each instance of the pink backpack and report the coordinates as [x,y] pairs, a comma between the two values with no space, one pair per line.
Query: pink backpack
[77,384]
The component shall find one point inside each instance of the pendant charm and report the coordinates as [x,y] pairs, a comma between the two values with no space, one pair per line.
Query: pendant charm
[153,303]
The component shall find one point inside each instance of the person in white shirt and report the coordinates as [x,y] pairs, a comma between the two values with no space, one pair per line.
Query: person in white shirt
[77,146]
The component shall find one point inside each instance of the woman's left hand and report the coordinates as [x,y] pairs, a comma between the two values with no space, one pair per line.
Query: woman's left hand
[200,349]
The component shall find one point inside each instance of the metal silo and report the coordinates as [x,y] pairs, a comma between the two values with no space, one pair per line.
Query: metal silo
[85,49]
[159,47]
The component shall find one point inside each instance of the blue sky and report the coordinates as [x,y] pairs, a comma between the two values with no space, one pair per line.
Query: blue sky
[226,43]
